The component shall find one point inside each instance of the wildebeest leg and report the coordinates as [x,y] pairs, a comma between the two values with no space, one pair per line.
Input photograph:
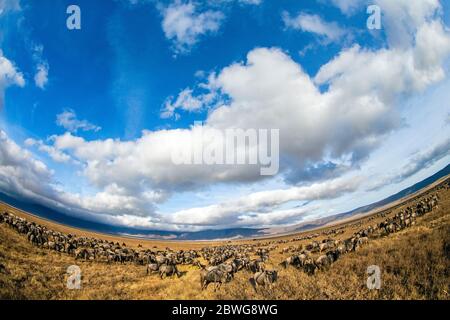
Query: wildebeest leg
[253,283]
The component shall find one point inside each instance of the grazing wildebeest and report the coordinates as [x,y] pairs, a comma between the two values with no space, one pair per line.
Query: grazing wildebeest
[293,260]
[333,255]
[168,270]
[214,275]
[309,266]
[264,278]
[256,265]
[152,268]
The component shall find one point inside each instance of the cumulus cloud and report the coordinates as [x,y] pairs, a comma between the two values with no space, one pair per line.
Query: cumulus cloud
[403,18]
[260,207]
[184,101]
[41,76]
[184,24]
[313,23]
[23,176]
[189,101]
[339,125]
[20,173]
[9,75]
[53,153]
[68,120]
[147,162]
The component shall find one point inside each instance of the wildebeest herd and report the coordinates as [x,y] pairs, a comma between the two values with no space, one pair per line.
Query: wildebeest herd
[330,250]
[224,261]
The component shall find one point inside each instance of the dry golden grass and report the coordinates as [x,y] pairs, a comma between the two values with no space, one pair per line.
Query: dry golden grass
[415,264]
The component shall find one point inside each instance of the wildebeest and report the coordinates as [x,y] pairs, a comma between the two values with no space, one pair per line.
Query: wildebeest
[167,270]
[256,265]
[152,267]
[264,278]
[214,275]
[323,262]
[84,253]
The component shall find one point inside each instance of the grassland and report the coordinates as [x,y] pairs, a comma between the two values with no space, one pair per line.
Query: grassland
[414,263]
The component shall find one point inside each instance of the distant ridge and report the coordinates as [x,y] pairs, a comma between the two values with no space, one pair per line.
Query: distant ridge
[62,218]
[406,192]
[212,234]
[364,209]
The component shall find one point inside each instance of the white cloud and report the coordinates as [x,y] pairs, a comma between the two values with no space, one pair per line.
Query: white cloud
[393,70]
[402,19]
[68,120]
[424,159]
[347,6]
[258,208]
[330,31]
[418,161]
[270,90]
[432,47]
[146,163]
[190,102]
[9,5]
[54,153]
[9,75]
[42,66]
[184,101]
[183,24]
[20,173]
[24,176]
[41,76]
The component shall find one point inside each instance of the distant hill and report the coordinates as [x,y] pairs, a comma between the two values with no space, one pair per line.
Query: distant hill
[66,219]
[63,218]
[405,192]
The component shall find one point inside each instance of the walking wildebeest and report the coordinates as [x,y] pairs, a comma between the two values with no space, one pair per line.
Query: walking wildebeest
[264,278]
[214,275]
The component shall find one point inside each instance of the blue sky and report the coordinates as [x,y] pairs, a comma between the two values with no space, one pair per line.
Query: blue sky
[87,115]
